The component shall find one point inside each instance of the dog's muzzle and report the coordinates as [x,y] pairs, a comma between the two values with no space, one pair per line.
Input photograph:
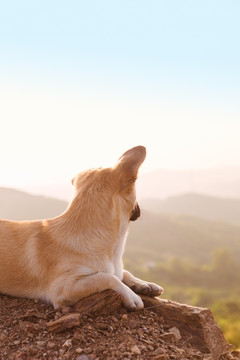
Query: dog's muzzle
[135,213]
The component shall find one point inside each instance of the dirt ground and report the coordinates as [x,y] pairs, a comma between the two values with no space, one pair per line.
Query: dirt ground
[24,334]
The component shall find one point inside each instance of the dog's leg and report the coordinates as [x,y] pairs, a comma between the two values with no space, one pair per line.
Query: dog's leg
[140,286]
[67,290]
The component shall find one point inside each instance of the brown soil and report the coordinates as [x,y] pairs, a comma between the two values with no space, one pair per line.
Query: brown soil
[24,334]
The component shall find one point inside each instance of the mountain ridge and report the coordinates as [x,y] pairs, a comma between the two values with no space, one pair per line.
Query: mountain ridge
[19,205]
[197,205]
[161,183]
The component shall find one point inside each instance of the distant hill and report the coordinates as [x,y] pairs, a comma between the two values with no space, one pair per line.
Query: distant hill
[206,207]
[157,237]
[18,205]
[219,182]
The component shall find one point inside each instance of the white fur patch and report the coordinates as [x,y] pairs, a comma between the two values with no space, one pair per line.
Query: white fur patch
[119,249]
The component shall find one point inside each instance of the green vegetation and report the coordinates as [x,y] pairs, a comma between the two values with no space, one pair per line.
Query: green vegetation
[196,261]
[214,285]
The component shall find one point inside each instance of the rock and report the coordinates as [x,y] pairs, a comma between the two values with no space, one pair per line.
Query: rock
[29,326]
[172,335]
[163,356]
[32,350]
[16,342]
[51,345]
[236,353]
[150,347]
[3,338]
[102,326]
[168,336]
[88,350]
[114,319]
[31,313]
[79,350]
[77,335]
[41,344]
[64,322]
[158,351]
[163,330]
[195,324]
[82,357]
[20,355]
[176,333]
[67,344]
[135,350]
[105,303]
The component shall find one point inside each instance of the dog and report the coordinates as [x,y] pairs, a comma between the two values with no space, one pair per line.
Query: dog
[78,253]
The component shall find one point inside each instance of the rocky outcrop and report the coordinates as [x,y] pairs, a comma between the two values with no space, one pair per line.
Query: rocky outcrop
[98,327]
[193,325]
[196,326]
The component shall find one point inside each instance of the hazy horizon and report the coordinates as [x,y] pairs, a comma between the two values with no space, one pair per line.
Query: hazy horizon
[223,182]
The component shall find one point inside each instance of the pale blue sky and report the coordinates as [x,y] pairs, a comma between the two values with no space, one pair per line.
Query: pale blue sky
[81,81]
[177,43]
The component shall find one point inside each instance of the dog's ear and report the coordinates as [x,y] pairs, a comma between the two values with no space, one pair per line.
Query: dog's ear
[73,180]
[129,163]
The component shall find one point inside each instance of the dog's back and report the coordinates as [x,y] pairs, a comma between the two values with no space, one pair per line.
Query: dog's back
[20,270]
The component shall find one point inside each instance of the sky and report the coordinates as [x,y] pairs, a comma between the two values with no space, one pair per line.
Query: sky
[83,81]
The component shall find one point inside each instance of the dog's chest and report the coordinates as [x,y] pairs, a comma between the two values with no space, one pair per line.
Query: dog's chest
[119,247]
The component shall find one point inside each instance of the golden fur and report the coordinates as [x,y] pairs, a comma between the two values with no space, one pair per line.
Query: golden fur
[79,252]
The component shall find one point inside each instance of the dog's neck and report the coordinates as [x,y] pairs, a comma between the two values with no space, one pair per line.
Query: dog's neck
[83,226]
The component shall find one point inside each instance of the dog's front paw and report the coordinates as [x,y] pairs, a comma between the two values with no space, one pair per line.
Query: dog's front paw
[132,301]
[146,288]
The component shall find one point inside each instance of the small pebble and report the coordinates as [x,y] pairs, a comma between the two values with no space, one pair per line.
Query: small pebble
[150,347]
[68,343]
[17,342]
[82,357]
[175,331]
[88,350]
[135,350]
[41,344]
[114,319]
[3,337]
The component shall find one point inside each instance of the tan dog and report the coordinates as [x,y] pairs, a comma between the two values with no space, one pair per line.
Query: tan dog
[79,252]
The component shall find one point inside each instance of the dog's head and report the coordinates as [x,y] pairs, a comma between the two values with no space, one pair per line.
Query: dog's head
[127,170]
[111,191]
